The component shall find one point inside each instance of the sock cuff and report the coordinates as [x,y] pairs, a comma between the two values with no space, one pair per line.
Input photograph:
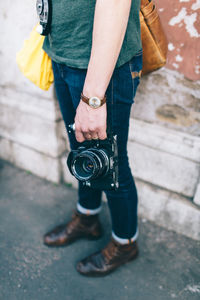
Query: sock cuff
[87,211]
[125,241]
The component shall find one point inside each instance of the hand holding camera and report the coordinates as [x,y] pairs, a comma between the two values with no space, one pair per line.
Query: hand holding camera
[95,162]
[90,119]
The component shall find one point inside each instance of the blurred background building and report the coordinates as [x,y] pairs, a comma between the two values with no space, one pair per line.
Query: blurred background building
[164,139]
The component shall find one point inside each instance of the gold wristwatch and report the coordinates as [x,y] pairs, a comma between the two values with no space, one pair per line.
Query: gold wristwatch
[94,101]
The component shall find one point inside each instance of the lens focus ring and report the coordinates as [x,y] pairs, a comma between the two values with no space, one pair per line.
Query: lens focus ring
[90,164]
[39,7]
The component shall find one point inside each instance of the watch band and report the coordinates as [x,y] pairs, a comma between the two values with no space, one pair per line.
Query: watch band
[86,99]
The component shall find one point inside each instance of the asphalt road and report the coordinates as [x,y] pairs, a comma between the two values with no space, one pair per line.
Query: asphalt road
[168,266]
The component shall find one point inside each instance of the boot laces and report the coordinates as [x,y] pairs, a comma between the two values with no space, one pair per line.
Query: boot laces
[111,251]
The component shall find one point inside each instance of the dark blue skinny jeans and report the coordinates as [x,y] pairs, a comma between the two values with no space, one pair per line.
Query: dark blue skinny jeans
[120,93]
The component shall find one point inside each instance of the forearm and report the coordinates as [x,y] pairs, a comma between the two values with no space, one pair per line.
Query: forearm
[110,23]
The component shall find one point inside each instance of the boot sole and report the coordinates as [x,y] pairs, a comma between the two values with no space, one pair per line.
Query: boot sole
[89,237]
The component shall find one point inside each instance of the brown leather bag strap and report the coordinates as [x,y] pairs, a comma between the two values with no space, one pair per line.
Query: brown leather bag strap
[154,42]
[144,3]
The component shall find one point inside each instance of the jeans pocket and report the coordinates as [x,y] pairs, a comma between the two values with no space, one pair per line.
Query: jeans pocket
[135,65]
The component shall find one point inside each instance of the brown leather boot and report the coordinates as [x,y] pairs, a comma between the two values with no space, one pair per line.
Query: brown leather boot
[108,259]
[81,226]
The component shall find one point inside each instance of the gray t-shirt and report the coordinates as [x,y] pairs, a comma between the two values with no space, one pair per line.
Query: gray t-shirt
[70,39]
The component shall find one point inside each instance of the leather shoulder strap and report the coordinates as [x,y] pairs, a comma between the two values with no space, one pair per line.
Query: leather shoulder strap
[144,3]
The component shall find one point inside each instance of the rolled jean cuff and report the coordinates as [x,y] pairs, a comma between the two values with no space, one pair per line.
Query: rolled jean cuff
[125,241]
[87,211]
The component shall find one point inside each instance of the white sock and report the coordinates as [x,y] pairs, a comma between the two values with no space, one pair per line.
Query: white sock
[87,211]
[125,241]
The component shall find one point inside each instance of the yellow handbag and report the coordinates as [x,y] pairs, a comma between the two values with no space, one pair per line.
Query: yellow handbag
[34,62]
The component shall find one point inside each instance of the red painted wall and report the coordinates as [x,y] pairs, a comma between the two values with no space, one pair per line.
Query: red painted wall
[181,21]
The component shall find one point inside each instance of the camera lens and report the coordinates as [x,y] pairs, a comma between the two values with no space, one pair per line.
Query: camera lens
[90,164]
[39,6]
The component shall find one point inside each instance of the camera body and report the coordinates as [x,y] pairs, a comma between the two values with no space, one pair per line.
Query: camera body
[44,11]
[95,162]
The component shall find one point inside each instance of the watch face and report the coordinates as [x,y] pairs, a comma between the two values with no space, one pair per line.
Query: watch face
[94,102]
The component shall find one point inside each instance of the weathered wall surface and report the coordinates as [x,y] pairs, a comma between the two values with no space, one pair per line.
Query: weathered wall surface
[181,20]
[169,99]
[164,140]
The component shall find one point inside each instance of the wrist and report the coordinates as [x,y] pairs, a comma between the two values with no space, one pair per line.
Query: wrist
[91,92]
[94,101]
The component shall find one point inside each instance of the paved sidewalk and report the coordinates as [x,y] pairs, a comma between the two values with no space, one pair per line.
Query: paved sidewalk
[168,266]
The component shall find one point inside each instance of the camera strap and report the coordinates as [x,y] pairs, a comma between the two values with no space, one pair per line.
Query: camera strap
[109,121]
[110,111]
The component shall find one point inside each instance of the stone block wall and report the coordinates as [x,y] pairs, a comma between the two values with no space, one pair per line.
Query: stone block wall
[164,137]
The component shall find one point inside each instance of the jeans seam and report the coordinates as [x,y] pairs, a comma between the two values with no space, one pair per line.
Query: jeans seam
[112,105]
[131,79]
[112,91]
[61,72]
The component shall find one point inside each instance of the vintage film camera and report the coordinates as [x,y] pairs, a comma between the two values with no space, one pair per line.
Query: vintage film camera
[44,11]
[95,162]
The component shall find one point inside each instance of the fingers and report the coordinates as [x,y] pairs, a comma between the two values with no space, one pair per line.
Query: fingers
[101,131]
[90,123]
[102,135]
[83,134]
[98,133]
[87,136]
[79,136]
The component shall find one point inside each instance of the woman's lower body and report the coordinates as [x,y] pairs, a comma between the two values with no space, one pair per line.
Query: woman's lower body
[120,93]
[122,202]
